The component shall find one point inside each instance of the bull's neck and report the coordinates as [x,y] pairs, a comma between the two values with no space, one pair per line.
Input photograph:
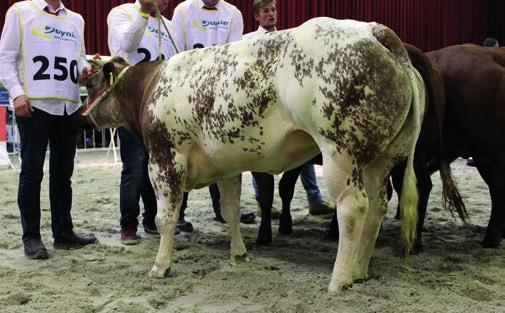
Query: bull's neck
[132,92]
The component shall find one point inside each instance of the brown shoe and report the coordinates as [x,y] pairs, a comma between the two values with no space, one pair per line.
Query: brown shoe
[129,236]
[276,214]
[321,208]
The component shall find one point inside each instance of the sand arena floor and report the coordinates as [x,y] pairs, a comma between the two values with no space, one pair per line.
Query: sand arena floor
[453,274]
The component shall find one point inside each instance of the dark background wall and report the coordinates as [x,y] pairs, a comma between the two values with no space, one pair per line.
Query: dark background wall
[428,24]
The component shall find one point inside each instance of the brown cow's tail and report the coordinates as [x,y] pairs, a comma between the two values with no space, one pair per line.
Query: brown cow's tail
[409,196]
[452,199]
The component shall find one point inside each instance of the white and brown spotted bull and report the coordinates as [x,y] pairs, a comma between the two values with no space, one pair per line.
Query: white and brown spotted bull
[342,88]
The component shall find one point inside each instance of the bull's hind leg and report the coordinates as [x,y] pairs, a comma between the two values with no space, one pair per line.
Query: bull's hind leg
[345,187]
[169,202]
[375,185]
[230,209]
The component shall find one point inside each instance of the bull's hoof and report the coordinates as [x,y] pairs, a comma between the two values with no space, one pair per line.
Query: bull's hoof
[240,259]
[339,289]
[491,242]
[158,273]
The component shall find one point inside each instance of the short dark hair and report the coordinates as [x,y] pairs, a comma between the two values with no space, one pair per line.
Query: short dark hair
[490,42]
[258,4]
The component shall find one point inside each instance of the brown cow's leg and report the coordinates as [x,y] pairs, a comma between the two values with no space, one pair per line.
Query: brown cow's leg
[397,179]
[424,186]
[265,183]
[333,231]
[230,209]
[286,191]
[493,176]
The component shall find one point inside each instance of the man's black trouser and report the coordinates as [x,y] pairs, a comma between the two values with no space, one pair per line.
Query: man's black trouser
[36,132]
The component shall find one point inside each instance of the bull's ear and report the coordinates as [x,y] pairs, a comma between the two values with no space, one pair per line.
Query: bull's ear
[108,72]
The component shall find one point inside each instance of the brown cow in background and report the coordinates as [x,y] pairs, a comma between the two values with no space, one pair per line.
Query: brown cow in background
[474,124]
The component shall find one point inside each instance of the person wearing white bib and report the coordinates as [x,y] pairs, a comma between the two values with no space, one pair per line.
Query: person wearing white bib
[134,36]
[42,52]
[204,23]
[200,24]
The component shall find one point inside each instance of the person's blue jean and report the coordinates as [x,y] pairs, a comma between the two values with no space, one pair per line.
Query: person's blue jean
[36,132]
[135,183]
[215,196]
[309,182]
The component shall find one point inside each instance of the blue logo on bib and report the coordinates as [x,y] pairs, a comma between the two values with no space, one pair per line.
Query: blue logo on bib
[50,32]
[205,25]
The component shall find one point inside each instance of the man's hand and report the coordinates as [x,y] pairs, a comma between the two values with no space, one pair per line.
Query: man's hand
[147,6]
[86,73]
[22,106]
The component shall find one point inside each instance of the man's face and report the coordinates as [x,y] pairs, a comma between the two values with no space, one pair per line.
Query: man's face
[162,4]
[267,16]
[211,3]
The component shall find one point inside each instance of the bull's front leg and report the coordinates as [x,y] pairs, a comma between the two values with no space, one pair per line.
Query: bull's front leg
[230,209]
[169,199]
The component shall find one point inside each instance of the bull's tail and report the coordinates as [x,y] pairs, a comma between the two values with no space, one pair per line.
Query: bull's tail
[409,196]
[452,199]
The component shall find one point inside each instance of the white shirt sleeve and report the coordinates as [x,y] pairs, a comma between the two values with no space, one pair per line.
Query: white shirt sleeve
[10,53]
[237,28]
[83,62]
[178,24]
[125,32]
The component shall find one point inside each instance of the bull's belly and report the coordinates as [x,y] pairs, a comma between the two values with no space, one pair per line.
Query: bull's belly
[283,151]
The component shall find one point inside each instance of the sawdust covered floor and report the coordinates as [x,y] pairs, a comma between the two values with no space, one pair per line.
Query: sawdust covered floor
[453,274]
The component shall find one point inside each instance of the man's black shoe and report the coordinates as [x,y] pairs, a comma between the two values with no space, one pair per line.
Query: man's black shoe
[35,249]
[71,240]
[248,217]
[245,217]
[150,228]
[184,226]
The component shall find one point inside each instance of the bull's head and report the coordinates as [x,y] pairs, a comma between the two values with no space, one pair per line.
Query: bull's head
[102,108]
